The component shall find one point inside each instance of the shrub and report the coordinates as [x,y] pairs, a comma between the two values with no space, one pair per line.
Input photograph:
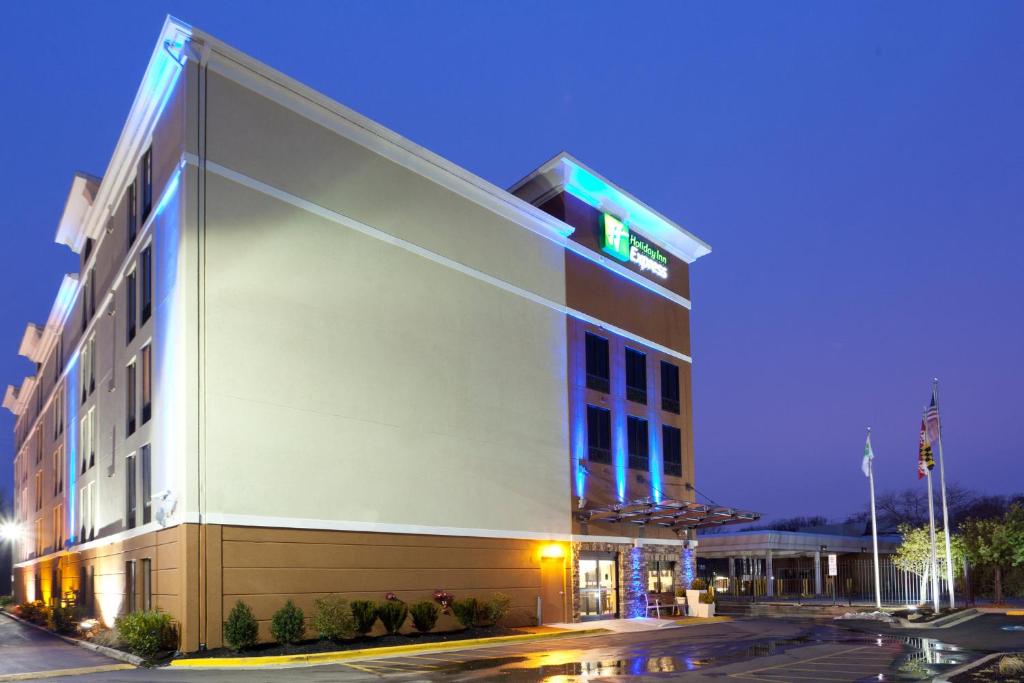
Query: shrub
[62,620]
[365,614]
[698,585]
[37,612]
[392,614]
[708,596]
[1011,665]
[6,600]
[333,619]
[467,611]
[680,592]
[288,625]
[146,633]
[498,607]
[424,615]
[241,630]
[109,637]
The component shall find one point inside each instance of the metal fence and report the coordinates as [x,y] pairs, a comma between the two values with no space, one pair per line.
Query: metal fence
[855,582]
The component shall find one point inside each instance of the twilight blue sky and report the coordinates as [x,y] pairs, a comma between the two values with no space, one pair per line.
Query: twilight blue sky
[857,168]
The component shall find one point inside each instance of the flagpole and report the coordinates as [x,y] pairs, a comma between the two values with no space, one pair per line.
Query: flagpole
[931,526]
[945,507]
[874,528]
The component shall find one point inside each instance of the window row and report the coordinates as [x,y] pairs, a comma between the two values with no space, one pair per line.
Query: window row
[598,368]
[599,442]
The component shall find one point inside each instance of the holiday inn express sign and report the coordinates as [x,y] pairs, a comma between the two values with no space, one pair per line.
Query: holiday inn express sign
[619,241]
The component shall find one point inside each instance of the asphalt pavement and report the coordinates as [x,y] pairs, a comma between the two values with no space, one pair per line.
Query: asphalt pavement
[25,650]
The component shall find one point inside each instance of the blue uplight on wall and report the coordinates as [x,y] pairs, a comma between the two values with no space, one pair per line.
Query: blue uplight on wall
[654,458]
[71,399]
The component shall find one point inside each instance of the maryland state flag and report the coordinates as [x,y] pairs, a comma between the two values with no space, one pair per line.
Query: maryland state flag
[925,461]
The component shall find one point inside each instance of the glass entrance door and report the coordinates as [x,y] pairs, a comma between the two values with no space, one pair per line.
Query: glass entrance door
[598,581]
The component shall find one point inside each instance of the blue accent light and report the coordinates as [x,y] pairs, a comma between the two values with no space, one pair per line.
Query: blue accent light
[689,567]
[71,399]
[654,457]
[635,606]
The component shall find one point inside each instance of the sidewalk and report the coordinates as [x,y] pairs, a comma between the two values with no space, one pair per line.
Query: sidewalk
[30,653]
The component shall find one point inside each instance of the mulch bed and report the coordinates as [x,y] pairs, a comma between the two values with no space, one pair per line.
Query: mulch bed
[307,647]
[989,672]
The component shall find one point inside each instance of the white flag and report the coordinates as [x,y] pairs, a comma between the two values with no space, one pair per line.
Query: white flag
[869,455]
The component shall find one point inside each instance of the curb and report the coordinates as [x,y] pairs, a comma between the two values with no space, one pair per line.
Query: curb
[963,617]
[373,652]
[134,660]
[58,673]
[964,668]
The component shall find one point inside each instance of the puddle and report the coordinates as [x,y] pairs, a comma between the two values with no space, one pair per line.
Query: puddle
[921,659]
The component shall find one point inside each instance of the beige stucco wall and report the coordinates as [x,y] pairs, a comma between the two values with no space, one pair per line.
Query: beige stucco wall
[352,380]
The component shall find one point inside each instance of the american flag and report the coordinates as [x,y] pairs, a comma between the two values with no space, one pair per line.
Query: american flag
[931,418]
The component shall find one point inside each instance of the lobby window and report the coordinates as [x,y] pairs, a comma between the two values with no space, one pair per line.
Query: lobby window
[129,314]
[661,576]
[636,436]
[146,284]
[133,213]
[146,178]
[129,399]
[130,492]
[670,387]
[636,376]
[672,450]
[147,383]
[145,463]
[597,363]
[599,435]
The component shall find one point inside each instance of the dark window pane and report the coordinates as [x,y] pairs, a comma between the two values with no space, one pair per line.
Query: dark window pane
[147,383]
[129,314]
[147,484]
[599,435]
[146,298]
[597,363]
[669,387]
[672,451]
[636,376]
[133,213]
[130,398]
[636,435]
[146,176]
[129,478]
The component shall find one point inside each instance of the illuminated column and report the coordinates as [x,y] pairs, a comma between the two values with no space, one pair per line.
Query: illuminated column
[689,566]
[635,584]
[817,572]
[770,591]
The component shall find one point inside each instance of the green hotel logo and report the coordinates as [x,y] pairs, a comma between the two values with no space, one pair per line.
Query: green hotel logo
[614,237]
[623,244]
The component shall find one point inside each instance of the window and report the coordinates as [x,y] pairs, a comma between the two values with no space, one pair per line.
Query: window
[597,363]
[58,412]
[39,446]
[58,470]
[599,435]
[146,295]
[39,491]
[147,483]
[129,397]
[39,549]
[147,383]
[146,175]
[58,527]
[59,365]
[129,314]
[84,512]
[88,368]
[146,570]
[90,293]
[129,586]
[661,576]
[636,376]
[636,436]
[133,213]
[129,479]
[90,445]
[672,450]
[670,387]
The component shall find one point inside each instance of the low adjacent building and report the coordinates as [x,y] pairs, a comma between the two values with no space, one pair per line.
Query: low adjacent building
[304,355]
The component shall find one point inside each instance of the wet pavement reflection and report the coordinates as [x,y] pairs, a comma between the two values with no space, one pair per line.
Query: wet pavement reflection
[881,658]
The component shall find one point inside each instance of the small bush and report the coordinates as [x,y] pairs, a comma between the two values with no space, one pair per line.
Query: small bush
[288,625]
[424,616]
[62,620]
[147,633]
[698,585]
[498,607]
[467,611]
[392,614]
[365,614]
[333,619]
[708,596]
[109,637]
[241,630]
[6,600]
[37,612]
[1011,666]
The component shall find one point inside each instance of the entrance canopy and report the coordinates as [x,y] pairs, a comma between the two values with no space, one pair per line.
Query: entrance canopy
[679,515]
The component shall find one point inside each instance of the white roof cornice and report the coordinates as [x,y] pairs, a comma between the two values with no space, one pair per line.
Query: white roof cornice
[565,173]
[15,399]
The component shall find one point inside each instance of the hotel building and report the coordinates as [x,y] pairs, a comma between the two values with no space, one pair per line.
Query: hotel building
[303,355]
